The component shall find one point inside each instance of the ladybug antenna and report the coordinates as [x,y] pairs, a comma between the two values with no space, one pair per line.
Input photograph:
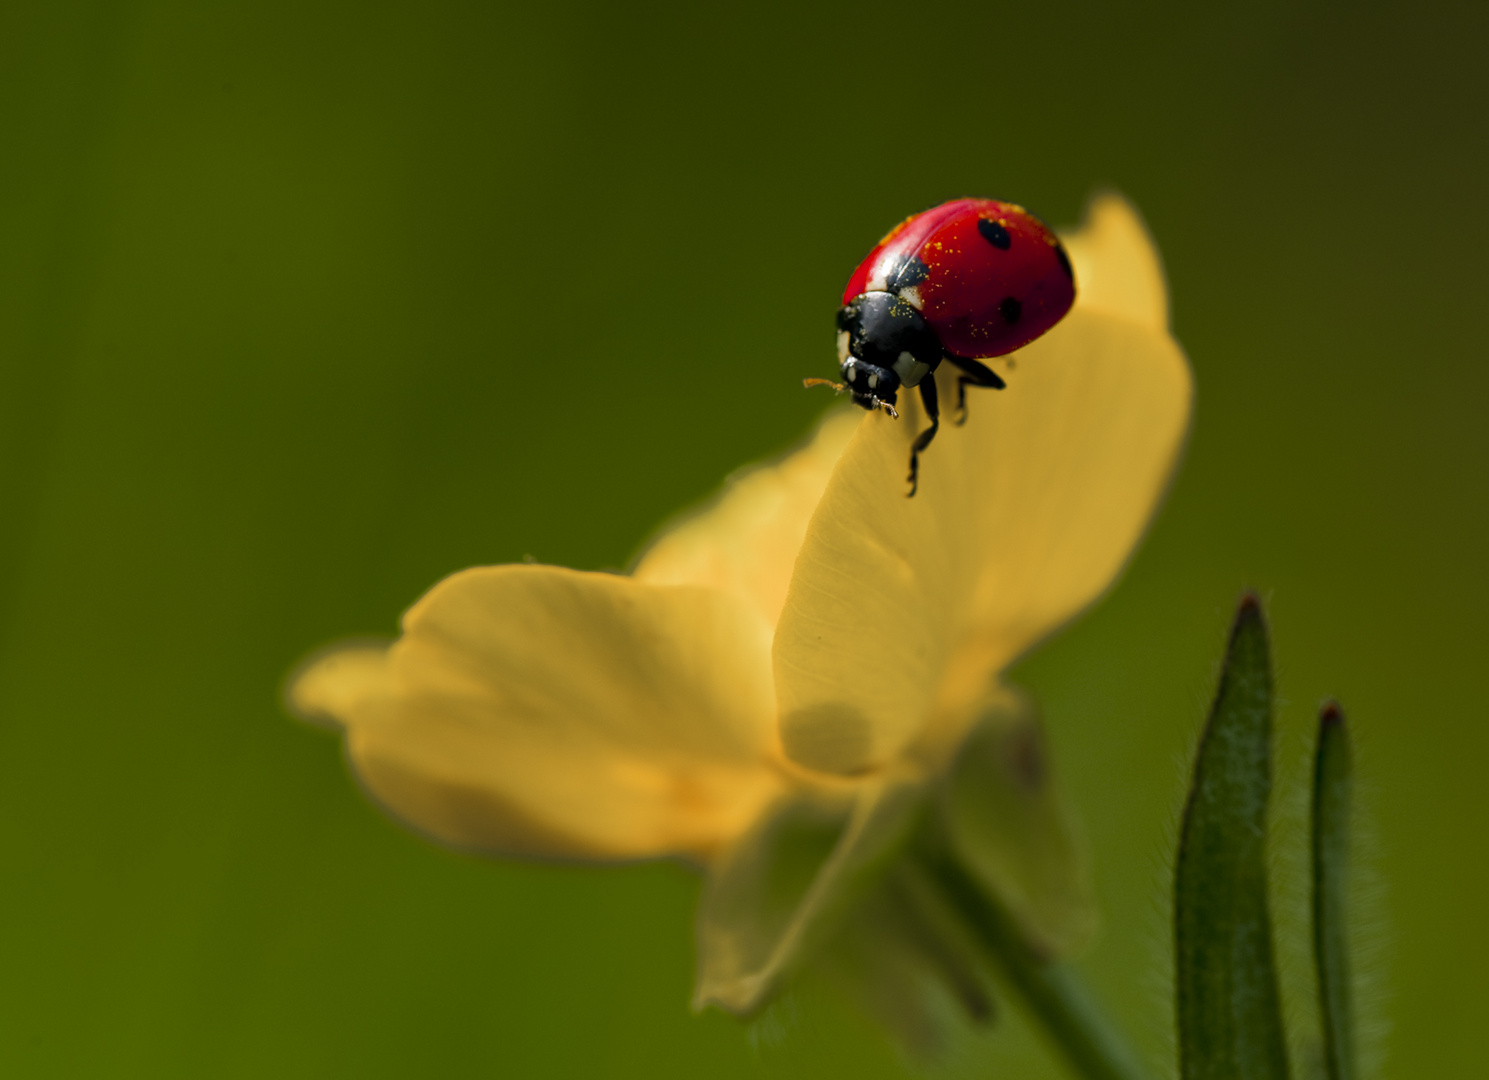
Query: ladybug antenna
[874,403]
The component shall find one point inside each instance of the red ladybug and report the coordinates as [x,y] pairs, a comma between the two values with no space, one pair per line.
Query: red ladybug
[968,279]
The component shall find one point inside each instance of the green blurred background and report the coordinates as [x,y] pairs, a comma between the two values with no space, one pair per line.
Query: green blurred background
[305,305]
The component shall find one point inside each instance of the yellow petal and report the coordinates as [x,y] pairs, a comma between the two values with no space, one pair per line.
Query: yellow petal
[542,711]
[901,610]
[745,541]
[777,896]
[1117,269]
[334,683]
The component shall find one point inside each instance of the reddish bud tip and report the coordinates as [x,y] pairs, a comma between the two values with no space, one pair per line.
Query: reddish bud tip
[1331,715]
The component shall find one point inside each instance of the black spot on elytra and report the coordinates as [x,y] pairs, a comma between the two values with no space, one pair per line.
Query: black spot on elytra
[1010,309]
[1064,260]
[910,272]
[994,234]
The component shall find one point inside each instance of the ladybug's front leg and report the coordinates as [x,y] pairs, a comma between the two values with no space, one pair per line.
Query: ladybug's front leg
[933,413]
[978,375]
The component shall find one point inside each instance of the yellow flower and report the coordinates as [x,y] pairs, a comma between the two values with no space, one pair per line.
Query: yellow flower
[790,680]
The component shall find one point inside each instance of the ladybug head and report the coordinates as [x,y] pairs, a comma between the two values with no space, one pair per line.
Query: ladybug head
[883,343]
[870,384]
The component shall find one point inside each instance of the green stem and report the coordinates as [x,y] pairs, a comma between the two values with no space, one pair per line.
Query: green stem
[1051,993]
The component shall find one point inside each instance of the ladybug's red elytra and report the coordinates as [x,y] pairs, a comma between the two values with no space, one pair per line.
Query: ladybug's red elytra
[967,280]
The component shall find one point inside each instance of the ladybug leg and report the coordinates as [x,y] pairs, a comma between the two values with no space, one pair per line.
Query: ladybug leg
[977,374]
[933,413]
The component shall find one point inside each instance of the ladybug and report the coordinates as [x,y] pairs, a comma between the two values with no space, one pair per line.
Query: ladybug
[963,281]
